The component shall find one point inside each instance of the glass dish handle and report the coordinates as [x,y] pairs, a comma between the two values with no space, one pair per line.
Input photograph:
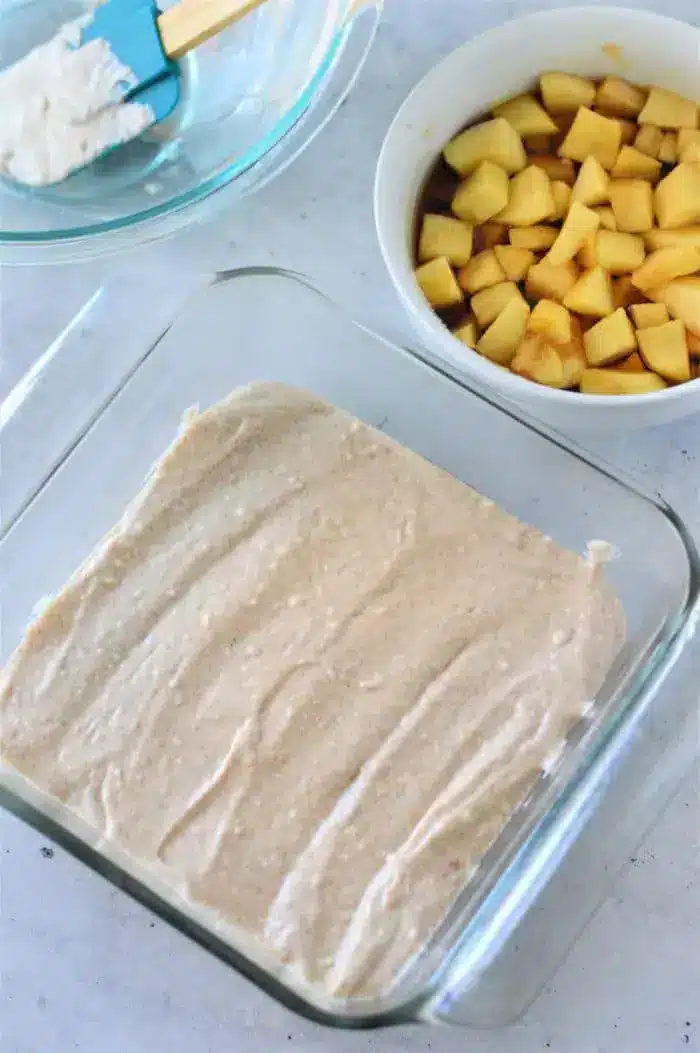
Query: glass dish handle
[53,405]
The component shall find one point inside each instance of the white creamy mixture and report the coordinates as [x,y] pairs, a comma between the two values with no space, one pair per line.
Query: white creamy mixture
[60,108]
[304,683]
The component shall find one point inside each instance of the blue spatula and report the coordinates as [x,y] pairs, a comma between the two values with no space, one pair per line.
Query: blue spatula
[149,43]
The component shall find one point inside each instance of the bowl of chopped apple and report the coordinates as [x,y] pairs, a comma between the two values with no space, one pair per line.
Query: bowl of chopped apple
[537,203]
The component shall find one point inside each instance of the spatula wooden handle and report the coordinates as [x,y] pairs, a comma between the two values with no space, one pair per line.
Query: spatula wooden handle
[191,22]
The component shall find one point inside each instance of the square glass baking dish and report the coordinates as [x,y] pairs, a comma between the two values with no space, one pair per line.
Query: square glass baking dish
[79,435]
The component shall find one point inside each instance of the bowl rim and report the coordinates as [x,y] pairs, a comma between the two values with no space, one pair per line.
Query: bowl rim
[429,323]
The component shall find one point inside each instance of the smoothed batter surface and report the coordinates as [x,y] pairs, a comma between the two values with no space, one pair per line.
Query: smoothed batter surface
[305,682]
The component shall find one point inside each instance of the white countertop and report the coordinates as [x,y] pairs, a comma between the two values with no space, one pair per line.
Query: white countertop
[84,968]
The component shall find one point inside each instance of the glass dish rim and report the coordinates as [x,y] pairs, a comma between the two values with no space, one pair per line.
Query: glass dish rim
[221,179]
[605,749]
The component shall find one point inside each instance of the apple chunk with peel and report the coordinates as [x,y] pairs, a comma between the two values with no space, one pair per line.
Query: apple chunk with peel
[619,382]
[529,199]
[665,350]
[592,294]
[503,337]
[579,223]
[495,140]
[591,134]
[682,298]
[444,236]
[664,265]
[610,339]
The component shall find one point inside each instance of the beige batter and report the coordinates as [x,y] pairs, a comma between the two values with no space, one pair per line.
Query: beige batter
[305,681]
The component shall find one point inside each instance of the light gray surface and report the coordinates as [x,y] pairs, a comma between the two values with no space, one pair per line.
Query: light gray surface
[85,969]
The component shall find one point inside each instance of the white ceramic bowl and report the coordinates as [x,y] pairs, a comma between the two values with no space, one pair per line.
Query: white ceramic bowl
[647,49]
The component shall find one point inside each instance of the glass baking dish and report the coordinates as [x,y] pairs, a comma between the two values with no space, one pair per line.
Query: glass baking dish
[80,433]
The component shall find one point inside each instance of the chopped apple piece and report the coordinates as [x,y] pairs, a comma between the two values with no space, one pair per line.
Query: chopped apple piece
[527,116]
[579,223]
[573,356]
[619,253]
[669,110]
[677,197]
[556,167]
[687,137]
[666,264]
[610,339]
[561,192]
[564,92]
[547,281]
[648,140]
[663,239]
[495,141]
[625,293]
[515,262]
[633,204]
[535,238]
[668,149]
[645,315]
[490,234]
[665,351]
[482,271]
[634,363]
[587,255]
[467,332]
[529,198]
[444,236]
[591,295]
[482,194]
[606,216]
[682,298]
[488,303]
[503,337]
[539,361]
[617,98]
[551,321]
[592,134]
[633,164]
[439,284]
[619,382]
[691,153]
[591,186]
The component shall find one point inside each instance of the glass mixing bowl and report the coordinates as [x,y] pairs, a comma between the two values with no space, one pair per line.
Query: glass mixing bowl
[252,98]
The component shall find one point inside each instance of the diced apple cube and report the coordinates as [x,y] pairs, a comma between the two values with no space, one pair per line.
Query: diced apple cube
[561,192]
[551,321]
[535,238]
[619,253]
[579,223]
[668,149]
[488,303]
[677,197]
[648,140]
[527,116]
[592,134]
[591,295]
[633,164]
[467,332]
[539,361]
[495,141]
[645,315]
[610,339]
[668,110]
[564,92]
[444,236]
[619,382]
[529,198]
[665,351]
[482,194]
[633,204]
[617,98]
[503,337]
[515,262]
[663,239]
[482,271]
[439,284]
[666,264]
[591,186]
[682,298]
[558,168]
[547,281]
